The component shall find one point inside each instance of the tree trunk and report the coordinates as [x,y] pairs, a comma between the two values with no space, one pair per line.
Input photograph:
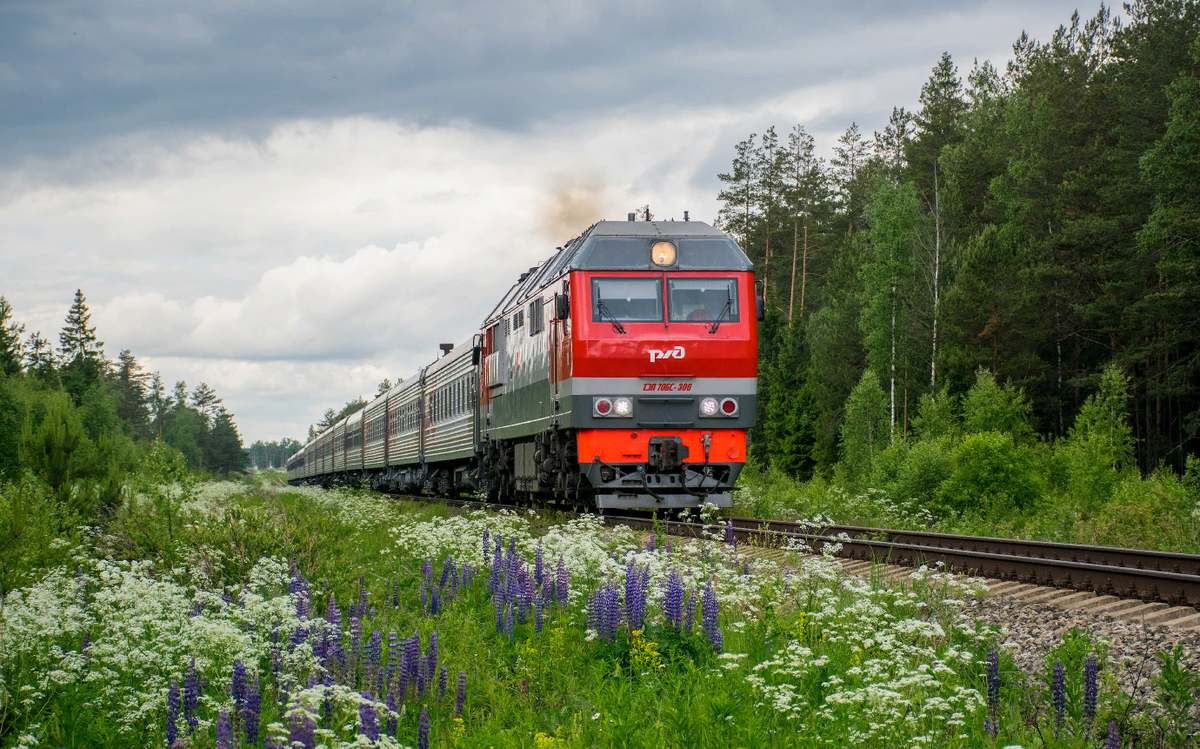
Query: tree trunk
[937,266]
[792,299]
[804,269]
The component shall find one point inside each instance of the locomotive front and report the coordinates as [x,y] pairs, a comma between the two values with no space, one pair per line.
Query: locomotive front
[662,365]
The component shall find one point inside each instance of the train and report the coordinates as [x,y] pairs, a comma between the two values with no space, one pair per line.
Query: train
[620,373]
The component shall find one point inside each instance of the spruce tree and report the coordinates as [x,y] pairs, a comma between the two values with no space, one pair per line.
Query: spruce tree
[11,353]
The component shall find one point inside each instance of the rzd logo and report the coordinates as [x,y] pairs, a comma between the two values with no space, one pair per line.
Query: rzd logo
[671,353]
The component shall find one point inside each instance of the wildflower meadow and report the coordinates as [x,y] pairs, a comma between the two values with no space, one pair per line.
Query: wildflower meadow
[277,617]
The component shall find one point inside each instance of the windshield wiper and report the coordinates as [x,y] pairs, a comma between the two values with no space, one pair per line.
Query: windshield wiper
[605,313]
[724,311]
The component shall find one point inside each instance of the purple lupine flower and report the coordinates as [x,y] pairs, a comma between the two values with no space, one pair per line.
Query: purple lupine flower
[362,592]
[237,687]
[508,620]
[673,599]
[85,643]
[462,694]
[253,713]
[366,714]
[434,602]
[1058,686]
[401,687]
[427,571]
[224,731]
[432,656]
[635,595]
[173,713]
[729,537]
[412,652]
[746,569]
[453,575]
[689,612]
[442,684]
[395,595]
[1091,689]
[390,724]
[527,593]
[712,628]
[652,544]
[191,697]
[421,683]
[991,726]
[197,607]
[333,614]
[669,549]
[537,564]
[302,727]
[562,586]
[486,536]
[446,567]
[1114,736]
[537,615]
[498,605]
[393,656]
[423,729]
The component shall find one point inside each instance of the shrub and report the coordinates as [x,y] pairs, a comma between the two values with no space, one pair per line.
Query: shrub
[990,468]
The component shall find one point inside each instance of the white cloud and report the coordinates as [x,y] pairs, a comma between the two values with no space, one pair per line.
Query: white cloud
[295,271]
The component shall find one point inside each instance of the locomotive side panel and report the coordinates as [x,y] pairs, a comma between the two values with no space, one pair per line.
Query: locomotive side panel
[524,405]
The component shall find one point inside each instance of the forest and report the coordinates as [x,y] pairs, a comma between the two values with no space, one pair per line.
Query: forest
[996,299]
[77,431]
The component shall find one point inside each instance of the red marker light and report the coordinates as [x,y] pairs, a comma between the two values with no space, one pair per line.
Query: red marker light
[603,406]
[729,406]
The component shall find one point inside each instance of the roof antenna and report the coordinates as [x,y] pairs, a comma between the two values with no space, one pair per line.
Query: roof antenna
[632,216]
[685,216]
[647,212]
[446,348]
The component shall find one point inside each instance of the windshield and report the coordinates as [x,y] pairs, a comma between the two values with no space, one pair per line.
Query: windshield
[627,300]
[702,299]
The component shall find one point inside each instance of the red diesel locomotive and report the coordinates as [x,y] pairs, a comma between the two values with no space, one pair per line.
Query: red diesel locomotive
[620,373]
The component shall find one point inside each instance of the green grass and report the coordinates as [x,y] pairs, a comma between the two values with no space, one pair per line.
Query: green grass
[811,658]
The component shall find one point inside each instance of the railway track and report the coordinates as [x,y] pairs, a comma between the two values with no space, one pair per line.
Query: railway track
[1161,577]
[1115,577]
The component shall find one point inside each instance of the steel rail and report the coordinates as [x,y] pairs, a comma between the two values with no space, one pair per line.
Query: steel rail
[1125,573]
[1163,576]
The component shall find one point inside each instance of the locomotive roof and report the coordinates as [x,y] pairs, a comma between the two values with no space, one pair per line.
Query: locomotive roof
[615,245]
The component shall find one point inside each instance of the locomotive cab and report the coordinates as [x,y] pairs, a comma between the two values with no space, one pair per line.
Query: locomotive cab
[663,363]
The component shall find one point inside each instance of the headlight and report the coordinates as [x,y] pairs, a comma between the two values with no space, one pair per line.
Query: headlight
[612,407]
[708,407]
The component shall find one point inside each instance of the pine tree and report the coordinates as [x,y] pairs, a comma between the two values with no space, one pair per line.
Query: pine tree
[205,400]
[39,358]
[865,431]
[11,353]
[131,394]
[160,403]
[77,340]
[383,387]
[737,215]
[850,174]
[224,446]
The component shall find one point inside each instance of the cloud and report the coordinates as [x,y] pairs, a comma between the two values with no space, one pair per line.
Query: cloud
[291,201]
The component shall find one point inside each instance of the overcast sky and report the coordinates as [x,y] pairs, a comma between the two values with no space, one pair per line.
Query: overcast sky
[290,200]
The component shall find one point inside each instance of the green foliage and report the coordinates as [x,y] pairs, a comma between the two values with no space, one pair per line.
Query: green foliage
[1099,448]
[990,469]
[1176,687]
[865,431]
[936,419]
[989,407]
